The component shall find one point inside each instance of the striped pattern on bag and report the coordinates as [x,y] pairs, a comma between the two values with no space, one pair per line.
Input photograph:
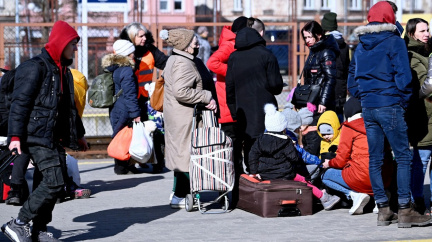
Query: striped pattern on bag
[212,166]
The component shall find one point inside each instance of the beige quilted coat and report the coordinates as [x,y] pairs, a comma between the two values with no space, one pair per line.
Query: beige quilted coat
[183,88]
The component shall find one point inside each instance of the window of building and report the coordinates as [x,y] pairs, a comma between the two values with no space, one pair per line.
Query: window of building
[144,5]
[1,3]
[238,5]
[372,2]
[178,5]
[355,4]
[163,5]
[308,4]
[326,4]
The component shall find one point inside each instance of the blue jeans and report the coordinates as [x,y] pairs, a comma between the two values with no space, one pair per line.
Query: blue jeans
[388,122]
[421,156]
[333,179]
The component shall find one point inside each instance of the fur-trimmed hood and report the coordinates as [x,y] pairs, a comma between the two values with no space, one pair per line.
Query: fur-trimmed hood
[373,34]
[374,28]
[118,60]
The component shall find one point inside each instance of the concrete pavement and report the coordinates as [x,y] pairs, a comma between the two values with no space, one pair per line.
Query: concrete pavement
[136,208]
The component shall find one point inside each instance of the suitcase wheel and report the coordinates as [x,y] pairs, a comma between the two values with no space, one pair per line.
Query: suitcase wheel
[189,202]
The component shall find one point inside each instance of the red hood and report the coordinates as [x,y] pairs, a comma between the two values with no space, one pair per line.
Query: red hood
[226,35]
[381,12]
[357,125]
[61,34]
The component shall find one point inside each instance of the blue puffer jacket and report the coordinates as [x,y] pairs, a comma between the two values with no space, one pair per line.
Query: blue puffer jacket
[379,72]
[126,107]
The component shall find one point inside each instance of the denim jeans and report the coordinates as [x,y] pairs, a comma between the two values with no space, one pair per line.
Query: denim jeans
[388,122]
[40,204]
[421,157]
[333,179]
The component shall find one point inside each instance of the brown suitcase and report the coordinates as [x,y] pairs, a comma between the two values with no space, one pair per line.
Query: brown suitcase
[277,198]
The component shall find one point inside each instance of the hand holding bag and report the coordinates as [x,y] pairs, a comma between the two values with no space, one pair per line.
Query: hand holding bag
[156,99]
[141,146]
[119,145]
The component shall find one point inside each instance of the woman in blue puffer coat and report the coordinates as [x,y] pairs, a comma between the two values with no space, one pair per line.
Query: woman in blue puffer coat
[126,108]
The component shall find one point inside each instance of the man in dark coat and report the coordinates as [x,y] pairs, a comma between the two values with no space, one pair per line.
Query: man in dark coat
[45,120]
[329,25]
[253,79]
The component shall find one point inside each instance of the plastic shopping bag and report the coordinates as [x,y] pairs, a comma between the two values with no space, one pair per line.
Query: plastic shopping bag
[119,145]
[141,147]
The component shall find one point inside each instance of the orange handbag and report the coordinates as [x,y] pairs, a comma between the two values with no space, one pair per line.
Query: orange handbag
[156,99]
[119,145]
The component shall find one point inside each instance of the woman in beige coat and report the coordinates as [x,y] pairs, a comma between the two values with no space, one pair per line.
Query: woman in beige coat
[183,89]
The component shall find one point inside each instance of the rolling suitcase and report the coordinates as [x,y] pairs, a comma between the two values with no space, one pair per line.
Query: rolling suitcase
[278,198]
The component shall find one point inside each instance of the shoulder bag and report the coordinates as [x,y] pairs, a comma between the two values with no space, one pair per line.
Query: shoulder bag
[305,93]
[156,99]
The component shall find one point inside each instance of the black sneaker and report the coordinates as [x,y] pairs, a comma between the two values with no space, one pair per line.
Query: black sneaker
[43,236]
[16,232]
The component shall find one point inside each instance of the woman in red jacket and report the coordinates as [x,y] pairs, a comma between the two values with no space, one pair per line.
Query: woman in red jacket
[349,170]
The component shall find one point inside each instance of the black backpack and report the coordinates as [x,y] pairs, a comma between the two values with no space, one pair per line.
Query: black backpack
[6,89]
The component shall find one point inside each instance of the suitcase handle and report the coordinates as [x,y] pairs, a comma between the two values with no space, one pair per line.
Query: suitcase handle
[287,202]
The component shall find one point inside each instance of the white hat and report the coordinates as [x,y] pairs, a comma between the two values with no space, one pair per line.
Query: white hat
[123,47]
[274,121]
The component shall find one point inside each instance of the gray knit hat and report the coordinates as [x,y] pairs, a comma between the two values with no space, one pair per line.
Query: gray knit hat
[293,119]
[178,38]
[306,116]
[274,120]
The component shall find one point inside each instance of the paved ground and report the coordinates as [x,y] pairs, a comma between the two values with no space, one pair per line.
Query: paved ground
[135,208]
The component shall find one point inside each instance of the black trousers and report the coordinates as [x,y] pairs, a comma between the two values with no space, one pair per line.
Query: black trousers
[40,204]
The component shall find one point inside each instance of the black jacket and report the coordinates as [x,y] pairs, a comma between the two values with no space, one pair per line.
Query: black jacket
[40,113]
[274,157]
[252,80]
[342,64]
[320,69]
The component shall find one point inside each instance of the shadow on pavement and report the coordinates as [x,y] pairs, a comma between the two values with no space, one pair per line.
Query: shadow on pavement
[99,185]
[108,223]
[95,169]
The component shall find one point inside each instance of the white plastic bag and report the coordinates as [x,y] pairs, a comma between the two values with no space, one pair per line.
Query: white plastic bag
[72,169]
[141,147]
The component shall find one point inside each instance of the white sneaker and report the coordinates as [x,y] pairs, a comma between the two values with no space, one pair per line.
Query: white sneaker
[375,210]
[178,202]
[171,196]
[359,202]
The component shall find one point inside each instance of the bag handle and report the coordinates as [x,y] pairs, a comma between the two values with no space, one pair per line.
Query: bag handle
[287,202]
[301,74]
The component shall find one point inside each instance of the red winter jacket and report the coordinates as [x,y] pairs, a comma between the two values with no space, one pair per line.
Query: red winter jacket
[353,158]
[217,63]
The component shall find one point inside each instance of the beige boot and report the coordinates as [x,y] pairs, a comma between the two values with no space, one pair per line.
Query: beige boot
[409,217]
[385,215]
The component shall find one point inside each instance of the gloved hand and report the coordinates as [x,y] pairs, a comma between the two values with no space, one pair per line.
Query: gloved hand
[311,107]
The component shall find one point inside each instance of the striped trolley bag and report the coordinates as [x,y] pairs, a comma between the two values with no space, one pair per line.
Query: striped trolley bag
[211,167]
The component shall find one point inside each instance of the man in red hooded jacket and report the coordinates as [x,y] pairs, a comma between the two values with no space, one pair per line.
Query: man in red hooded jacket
[218,63]
[45,120]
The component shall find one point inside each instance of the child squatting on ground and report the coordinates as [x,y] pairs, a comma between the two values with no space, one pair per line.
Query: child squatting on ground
[273,156]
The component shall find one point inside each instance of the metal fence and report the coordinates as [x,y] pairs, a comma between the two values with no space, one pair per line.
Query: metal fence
[19,42]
